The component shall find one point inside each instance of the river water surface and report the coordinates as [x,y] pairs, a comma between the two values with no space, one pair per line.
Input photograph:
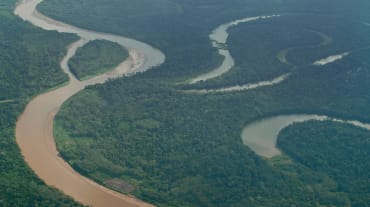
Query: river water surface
[34,128]
[261,136]
[219,38]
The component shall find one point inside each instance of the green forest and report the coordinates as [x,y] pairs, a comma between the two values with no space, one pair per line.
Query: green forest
[171,147]
[24,73]
[337,151]
[96,57]
[176,148]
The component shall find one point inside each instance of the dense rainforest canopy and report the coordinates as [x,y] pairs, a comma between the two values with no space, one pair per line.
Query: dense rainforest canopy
[171,147]
[182,149]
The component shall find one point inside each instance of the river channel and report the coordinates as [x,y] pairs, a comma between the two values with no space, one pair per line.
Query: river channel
[34,128]
[261,136]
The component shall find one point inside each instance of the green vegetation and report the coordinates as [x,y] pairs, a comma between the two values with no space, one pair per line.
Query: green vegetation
[28,57]
[167,147]
[181,149]
[170,145]
[175,147]
[29,64]
[338,150]
[96,57]
[181,28]
[258,62]
[170,25]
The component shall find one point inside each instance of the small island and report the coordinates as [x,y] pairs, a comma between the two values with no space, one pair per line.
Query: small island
[96,57]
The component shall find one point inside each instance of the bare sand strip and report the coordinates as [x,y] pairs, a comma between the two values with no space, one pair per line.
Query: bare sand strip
[7,101]
[330,59]
[245,87]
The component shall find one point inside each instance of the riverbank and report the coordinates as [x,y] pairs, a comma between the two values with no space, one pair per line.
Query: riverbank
[218,37]
[261,136]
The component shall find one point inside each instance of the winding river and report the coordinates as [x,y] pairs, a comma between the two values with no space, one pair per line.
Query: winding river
[34,128]
[219,38]
[261,136]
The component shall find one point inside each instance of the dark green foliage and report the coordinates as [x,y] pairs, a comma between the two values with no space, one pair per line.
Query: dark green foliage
[175,141]
[183,149]
[96,57]
[29,64]
[341,151]
[149,134]
[165,149]
[181,28]
[29,58]
[254,47]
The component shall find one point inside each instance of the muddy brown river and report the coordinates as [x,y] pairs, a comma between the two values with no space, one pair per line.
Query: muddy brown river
[34,128]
